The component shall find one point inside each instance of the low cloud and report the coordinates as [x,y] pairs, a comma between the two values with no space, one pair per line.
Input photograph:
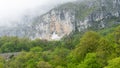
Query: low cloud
[11,10]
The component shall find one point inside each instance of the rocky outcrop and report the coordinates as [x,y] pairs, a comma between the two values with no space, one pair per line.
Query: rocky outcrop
[55,23]
[61,21]
[69,17]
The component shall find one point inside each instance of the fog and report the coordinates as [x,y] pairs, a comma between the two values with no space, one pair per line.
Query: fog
[13,10]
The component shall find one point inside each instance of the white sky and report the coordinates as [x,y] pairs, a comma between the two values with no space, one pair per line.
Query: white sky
[12,9]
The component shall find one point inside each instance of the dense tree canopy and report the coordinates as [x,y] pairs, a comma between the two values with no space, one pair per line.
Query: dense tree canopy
[80,50]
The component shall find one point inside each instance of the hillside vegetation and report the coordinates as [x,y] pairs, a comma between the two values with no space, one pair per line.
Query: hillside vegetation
[80,50]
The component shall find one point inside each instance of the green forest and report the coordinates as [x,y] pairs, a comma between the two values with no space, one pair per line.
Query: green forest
[89,49]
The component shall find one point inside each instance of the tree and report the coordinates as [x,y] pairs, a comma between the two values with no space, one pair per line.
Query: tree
[88,43]
[2,63]
[36,49]
[25,60]
[7,47]
[114,63]
[59,57]
[117,35]
[104,51]
[90,61]
[43,64]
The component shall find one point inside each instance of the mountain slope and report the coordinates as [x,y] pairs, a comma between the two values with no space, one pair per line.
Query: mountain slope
[73,16]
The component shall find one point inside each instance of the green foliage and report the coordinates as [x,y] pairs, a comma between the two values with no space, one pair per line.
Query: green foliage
[2,62]
[88,43]
[90,61]
[88,50]
[117,35]
[14,44]
[71,65]
[114,63]
[43,64]
[71,41]
[104,51]
[36,49]
[59,57]
[1,65]
[25,60]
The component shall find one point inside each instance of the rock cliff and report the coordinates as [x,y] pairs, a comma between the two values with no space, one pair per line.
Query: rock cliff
[70,17]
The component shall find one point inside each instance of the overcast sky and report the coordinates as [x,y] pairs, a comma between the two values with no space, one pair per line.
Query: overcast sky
[13,9]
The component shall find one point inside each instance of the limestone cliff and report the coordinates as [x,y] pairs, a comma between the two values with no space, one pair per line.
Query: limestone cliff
[77,16]
[69,17]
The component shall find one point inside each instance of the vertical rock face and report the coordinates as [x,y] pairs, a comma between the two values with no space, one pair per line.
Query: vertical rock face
[76,16]
[61,21]
[54,24]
